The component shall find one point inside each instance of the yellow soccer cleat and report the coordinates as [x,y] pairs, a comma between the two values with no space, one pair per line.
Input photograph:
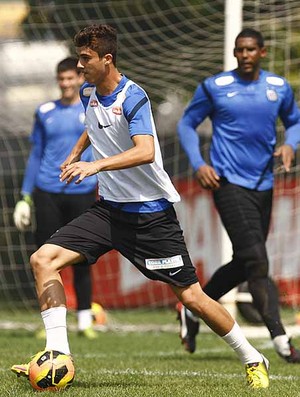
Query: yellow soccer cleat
[40,334]
[88,333]
[98,314]
[257,374]
[21,370]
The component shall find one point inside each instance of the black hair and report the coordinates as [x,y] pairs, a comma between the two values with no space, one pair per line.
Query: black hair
[248,32]
[66,64]
[99,38]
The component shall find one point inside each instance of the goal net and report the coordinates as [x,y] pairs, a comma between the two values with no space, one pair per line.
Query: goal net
[167,46]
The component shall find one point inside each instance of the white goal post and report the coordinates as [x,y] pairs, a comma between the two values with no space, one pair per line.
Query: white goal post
[233,25]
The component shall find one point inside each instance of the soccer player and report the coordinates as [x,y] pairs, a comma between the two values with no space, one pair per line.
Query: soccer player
[57,126]
[243,105]
[134,214]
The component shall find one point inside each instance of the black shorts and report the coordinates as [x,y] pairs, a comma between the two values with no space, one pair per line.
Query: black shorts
[153,242]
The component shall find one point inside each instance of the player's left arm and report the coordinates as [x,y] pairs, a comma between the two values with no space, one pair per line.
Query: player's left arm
[290,115]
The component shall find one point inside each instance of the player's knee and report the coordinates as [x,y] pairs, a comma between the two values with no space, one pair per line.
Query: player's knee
[257,270]
[255,261]
[195,300]
[41,261]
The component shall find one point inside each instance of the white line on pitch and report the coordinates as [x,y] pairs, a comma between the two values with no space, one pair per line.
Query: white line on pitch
[208,374]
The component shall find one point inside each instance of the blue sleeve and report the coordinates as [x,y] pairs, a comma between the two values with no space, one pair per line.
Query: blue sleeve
[34,160]
[199,108]
[137,111]
[290,116]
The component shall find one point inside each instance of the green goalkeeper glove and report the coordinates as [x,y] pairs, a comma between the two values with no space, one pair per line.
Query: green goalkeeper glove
[22,213]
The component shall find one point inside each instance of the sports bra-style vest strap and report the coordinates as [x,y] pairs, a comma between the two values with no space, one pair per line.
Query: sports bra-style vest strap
[122,95]
[128,84]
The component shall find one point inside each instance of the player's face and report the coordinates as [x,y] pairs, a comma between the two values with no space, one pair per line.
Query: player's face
[248,55]
[69,83]
[94,68]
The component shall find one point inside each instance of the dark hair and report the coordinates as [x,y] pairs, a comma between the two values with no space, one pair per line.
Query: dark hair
[99,38]
[248,32]
[66,64]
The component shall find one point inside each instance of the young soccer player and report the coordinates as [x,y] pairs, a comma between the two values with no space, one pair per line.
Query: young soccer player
[244,105]
[134,214]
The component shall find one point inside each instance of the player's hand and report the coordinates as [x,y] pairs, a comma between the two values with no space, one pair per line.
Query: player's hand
[207,177]
[69,160]
[81,169]
[22,213]
[286,152]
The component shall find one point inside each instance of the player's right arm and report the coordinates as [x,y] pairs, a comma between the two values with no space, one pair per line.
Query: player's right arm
[81,145]
[198,109]
[84,141]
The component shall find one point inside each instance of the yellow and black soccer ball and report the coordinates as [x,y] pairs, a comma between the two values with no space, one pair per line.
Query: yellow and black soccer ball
[51,370]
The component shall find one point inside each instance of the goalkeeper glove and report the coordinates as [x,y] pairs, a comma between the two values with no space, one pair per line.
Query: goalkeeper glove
[22,213]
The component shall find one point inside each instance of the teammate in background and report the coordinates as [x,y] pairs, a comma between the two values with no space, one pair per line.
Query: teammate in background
[58,124]
[134,214]
[244,105]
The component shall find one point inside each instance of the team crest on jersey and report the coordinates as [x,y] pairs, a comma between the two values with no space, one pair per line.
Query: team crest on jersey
[272,95]
[117,110]
[94,103]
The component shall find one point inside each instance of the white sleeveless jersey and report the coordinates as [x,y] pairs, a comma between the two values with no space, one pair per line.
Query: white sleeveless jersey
[109,135]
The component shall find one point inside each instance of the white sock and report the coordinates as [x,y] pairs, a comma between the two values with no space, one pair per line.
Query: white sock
[85,319]
[281,344]
[55,323]
[245,351]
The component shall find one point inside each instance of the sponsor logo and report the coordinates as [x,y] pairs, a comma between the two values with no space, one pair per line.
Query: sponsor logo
[103,126]
[117,110]
[164,263]
[173,273]
[94,103]
[272,95]
[49,120]
[232,94]
[87,91]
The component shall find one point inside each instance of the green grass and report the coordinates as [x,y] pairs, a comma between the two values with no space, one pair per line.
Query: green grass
[137,364]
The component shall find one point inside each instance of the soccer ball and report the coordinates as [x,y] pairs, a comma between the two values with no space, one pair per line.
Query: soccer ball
[51,370]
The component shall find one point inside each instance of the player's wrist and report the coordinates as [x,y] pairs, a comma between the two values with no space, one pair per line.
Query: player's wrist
[28,199]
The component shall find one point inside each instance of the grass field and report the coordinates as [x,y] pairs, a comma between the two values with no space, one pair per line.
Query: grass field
[148,363]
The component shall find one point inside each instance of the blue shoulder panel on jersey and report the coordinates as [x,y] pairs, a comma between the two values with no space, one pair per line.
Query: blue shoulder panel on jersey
[137,111]
[136,108]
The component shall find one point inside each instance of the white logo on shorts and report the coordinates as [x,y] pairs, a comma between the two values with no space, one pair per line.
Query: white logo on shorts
[173,273]
[164,263]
